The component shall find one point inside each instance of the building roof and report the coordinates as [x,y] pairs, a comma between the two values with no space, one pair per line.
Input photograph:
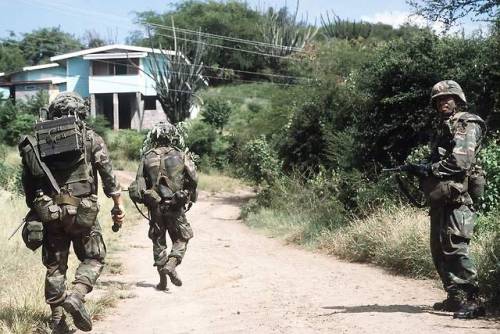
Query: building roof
[117,47]
[39,67]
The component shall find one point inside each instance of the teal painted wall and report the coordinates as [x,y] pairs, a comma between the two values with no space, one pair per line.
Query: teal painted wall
[41,74]
[78,76]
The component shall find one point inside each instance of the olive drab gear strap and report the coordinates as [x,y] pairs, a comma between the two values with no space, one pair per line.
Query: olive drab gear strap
[405,189]
[45,169]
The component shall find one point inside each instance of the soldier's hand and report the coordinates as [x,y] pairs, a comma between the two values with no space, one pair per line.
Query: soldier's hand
[117,213]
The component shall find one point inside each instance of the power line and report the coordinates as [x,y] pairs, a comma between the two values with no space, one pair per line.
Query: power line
[205,76]
[226,38]
[228,47]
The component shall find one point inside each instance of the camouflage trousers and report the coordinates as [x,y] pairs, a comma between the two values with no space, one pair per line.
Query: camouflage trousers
[175,223]
[88,246]
[451,231]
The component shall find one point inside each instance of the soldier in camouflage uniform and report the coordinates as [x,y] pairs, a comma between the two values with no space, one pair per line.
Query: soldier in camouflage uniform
[453,162]
[75,221]
[166,183]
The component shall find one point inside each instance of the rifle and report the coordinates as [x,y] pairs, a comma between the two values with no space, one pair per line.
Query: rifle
[17,228]
[409,190]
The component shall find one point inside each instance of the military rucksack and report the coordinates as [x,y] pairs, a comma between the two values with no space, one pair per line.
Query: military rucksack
[57,151]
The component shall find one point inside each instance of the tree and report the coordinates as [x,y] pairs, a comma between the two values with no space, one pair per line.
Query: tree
[396,116]
[39,45]
[450,11]
[92,39]
[216,113]
[11,57]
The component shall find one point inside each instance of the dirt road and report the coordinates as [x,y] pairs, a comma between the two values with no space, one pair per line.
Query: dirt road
[239,281]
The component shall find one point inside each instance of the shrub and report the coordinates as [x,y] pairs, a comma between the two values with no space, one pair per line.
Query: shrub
[99,124]
[489,159]
[125,144]
[216,112]
[259,162]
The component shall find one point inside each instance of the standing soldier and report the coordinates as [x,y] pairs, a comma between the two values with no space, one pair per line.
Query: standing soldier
[453,184]
[166,183]
[60,165]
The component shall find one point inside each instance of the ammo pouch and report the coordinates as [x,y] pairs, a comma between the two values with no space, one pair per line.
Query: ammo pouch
[441,192]
[151,198]
[33,234]
[477,182]
[136,188]
[86,213]
[46,209]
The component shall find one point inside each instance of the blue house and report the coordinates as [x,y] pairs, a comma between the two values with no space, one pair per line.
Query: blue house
[113,77]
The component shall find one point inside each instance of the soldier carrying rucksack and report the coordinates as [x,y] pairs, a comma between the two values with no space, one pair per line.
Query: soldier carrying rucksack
[166,183]
[60,166]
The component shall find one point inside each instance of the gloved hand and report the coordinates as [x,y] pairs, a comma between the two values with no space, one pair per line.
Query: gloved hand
[420,170]
[117,213]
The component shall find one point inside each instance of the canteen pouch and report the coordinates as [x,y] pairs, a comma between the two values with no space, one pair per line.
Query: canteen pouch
[33,234]
[46,209]
[86,213]
[477,182]
[151,198]
[441,192]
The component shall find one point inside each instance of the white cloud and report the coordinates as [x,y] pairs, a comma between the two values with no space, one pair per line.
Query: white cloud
[398,18]
[394,18]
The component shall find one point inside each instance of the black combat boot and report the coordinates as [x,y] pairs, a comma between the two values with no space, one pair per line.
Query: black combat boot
[58,323]
[73,304]
[169,269]
[471,309]
[451,304]
[162,286]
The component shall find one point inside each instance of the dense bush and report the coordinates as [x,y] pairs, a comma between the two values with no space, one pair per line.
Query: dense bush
[125,144]
[99,124]
[397,117]
[258,162]
[489,159]
[14,123]
[216,112]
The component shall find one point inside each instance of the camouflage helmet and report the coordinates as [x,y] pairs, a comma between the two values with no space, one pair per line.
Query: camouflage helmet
[447,87]
[165,134]
[68,103]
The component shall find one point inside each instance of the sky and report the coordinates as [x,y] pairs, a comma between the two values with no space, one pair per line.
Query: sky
[113,20]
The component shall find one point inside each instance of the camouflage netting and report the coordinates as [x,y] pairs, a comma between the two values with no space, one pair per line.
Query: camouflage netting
[68,104]
[164,134]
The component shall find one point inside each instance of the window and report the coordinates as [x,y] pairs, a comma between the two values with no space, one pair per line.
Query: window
[149,102]
[115,66]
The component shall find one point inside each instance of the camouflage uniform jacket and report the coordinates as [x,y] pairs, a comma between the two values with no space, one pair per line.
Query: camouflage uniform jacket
[97,160]
[456,146]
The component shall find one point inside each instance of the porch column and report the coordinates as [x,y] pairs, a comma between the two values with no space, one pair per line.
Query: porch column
[116,114]
[93,112]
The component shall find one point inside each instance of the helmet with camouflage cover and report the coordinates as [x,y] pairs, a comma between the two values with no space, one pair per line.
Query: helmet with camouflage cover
[447,87]
[164,134]
[68,103]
